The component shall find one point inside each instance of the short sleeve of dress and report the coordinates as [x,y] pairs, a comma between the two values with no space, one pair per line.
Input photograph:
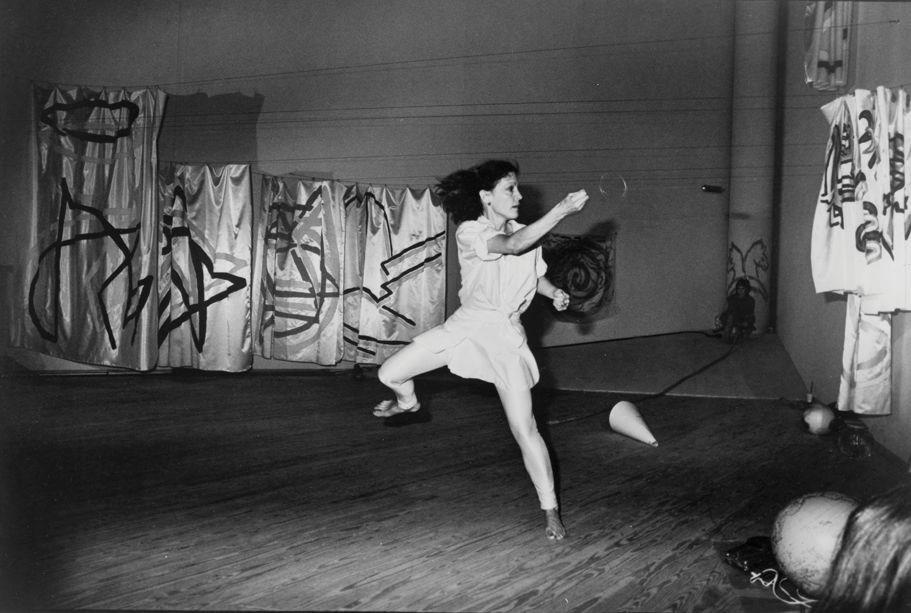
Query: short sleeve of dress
[473,236]
[540,264]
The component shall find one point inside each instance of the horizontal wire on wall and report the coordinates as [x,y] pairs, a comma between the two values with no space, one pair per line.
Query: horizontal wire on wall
[511,54]
[488,56]
[415,114]
[216,119]
[690,182]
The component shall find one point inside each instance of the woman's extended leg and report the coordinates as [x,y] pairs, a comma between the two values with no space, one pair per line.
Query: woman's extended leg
[398,372]
[517,404]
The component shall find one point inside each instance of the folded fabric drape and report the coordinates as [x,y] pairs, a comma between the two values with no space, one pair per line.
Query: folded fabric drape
[204,267]
[404,283]
[346,272]
[861,236]
[865,385]
[88,284]
[353,278]
[136,266]
[828,43]
[300,283]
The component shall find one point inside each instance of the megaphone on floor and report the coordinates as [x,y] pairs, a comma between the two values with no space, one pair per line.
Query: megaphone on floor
[625,419]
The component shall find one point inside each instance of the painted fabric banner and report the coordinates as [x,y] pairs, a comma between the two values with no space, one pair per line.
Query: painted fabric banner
[828,27]
[89,292]
[204,267]
[346,272]
[861,237]
[404,285]
[302,224]
[860,240]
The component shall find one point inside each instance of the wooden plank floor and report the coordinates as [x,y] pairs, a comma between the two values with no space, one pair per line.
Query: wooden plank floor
[281,492]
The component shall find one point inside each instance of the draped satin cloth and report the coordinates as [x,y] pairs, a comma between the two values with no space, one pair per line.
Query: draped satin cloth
[131,267]
[403,291]
[303,229]
[353,279]
[861,238]
[205,262]
[88,285]
[828,43]
[347,271]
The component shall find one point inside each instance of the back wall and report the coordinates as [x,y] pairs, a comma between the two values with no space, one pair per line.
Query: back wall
[402,92]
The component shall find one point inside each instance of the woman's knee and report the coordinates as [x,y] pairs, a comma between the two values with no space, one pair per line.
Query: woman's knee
[517,405]
[387,375]
[402,366]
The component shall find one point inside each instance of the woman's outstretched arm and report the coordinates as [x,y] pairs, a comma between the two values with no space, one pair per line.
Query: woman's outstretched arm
[525,238]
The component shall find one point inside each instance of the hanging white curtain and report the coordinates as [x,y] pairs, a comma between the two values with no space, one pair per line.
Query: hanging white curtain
[861,239]
[828,42]
[89,292]
[404,283]
[866,376]
[303,231]
[205,263]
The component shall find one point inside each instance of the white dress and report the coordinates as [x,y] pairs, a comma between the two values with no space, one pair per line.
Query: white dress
[484,339]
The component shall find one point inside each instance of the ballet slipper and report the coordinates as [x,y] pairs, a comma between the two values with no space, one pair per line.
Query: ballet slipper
[388,408]
[554,530]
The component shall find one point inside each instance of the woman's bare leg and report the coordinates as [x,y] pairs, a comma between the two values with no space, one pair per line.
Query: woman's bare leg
[517,404]
[398,372]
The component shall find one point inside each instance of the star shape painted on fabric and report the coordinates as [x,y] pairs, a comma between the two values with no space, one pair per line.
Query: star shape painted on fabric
[195,299]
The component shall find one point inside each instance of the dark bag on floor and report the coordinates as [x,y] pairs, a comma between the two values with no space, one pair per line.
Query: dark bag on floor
[756,558]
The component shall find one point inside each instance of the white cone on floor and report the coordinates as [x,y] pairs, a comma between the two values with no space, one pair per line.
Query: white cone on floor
[625,419]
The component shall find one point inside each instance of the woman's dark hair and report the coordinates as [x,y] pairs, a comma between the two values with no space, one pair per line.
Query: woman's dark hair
[871,572]
[458,191]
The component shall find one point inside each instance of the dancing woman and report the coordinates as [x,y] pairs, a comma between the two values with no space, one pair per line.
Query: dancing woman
[501,270]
